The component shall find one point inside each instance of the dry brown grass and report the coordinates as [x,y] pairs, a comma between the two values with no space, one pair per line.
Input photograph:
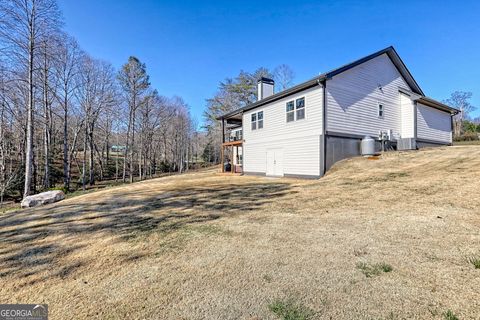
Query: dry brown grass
[205,246]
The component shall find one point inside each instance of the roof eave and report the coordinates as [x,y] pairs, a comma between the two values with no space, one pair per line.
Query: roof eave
[437,105]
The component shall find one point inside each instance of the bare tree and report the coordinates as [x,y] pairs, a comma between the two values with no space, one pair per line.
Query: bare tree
[95,92]
[460,101]
[66,70]
[134,81]
[283,76]
[24,24]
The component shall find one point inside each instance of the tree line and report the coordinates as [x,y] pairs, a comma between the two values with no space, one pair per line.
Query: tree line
[69,119]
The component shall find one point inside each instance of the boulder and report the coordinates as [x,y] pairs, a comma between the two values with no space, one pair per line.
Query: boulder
[42,198]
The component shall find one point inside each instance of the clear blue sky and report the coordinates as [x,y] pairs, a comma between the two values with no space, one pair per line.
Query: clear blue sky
[189,46]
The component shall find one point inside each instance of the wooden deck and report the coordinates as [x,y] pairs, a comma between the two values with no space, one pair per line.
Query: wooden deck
[233,143]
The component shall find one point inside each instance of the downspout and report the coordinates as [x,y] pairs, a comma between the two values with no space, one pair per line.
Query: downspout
[323,160]
[415,123]
[451,126]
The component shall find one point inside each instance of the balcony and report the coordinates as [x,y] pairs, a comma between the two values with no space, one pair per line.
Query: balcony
[233,137]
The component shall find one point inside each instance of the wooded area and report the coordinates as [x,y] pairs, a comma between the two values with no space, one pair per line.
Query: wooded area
[69,120]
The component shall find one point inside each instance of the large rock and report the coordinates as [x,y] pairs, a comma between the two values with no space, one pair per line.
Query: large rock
[42,198]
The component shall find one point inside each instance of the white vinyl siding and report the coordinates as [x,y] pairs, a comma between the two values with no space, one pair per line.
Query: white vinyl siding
[433,124]
[354,95]
[298,140]
[408,116]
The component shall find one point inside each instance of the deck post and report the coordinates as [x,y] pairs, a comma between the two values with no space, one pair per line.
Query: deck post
[222,160]
[223,130]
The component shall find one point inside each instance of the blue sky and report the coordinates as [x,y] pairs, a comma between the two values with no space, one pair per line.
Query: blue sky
[190,46]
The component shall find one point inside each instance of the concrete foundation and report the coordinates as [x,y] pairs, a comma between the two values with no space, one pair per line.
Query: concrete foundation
[429,144]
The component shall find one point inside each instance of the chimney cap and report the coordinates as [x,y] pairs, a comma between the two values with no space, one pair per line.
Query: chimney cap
[266,80]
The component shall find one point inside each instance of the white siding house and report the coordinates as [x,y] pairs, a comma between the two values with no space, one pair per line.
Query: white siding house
[304,130]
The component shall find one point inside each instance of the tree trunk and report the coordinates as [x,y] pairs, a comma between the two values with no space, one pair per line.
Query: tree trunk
[66,173]
[46,134]
[29,138]
[126,148]
[84,163]
[132,144]
[91,163]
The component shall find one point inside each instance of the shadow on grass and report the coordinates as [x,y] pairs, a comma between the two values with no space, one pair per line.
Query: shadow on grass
[26,249]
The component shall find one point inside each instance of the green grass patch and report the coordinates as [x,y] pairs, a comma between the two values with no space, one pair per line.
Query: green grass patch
[290,310]
[449,315]
[475,261]
[370,270]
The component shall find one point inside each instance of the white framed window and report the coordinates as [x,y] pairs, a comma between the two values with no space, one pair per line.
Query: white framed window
[290,111]
[260,119]
[295,109]
[257,120]
[381,111]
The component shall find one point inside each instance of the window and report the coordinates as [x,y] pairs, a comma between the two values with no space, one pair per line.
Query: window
[290,111]
[260,119]
[380,110]
[257,120]
[295,110]
[300,109]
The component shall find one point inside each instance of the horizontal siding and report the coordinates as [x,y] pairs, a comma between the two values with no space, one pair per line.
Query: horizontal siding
[299,140]
[301,156]
[433,124]
[353,97]
[408,117]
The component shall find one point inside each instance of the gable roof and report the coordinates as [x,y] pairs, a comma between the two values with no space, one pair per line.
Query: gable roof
[390,51]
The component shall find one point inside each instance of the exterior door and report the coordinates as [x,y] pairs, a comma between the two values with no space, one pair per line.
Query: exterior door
[275,162]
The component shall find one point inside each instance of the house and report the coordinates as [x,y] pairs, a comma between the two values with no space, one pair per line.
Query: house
[304,130]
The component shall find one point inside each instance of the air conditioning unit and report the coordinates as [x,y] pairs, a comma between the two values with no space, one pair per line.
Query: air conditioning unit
[406,144]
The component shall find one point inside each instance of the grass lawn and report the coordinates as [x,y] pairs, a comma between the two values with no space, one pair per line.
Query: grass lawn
[394,238]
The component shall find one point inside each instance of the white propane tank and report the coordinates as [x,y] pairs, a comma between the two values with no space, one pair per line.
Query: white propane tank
[367,146]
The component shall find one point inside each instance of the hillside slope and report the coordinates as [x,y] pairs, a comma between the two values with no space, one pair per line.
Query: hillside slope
[374,239]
